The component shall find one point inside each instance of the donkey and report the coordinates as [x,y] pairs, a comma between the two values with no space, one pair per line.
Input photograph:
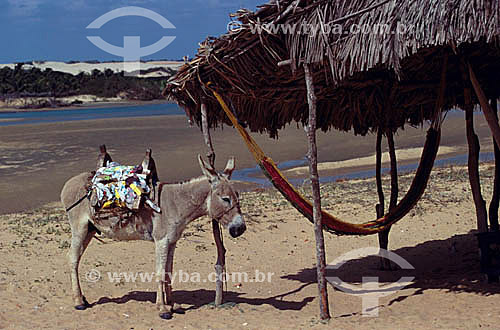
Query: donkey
[211,194]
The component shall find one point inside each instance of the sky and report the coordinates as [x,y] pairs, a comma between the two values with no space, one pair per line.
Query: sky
[56,29]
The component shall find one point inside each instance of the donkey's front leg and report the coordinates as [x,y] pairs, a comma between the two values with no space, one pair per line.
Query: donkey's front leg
[161,248]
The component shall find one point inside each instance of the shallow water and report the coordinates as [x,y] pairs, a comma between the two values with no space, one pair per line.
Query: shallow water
[52,116]
[251,174]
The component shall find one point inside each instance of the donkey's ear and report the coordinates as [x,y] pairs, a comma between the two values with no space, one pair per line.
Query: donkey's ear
[207,170]
[228,171]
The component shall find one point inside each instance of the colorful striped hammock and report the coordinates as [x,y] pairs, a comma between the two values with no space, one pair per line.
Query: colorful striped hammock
[331,223]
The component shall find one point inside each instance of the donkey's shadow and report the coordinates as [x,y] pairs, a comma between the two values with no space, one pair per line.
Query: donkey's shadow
[202,297]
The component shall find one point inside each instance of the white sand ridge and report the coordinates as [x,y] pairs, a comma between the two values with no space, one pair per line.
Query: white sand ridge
[401,155]
[76,68]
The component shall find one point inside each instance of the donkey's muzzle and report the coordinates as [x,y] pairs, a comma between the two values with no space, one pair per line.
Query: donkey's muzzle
[236,231]
[237,226]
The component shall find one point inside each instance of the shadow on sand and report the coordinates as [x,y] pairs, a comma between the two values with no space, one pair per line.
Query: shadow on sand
[203,297]
[451,264]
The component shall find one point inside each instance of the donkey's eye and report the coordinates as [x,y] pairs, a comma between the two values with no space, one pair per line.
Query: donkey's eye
[226,199]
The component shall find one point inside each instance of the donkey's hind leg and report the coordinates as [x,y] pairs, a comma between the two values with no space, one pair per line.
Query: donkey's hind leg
[161,250]
[81,235]
[170,271]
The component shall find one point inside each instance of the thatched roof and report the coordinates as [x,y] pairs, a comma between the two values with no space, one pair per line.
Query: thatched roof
[364,81]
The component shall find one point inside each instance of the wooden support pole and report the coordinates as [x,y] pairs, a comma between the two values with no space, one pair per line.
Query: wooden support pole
[206,135]
[495,199]
[473,165]
[379,208]
[221,251]
[473,160]
[313,171]
[394,171]
[383,236]
[487,111]
[220,265]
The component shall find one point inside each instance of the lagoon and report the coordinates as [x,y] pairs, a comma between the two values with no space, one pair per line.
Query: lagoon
[90,113]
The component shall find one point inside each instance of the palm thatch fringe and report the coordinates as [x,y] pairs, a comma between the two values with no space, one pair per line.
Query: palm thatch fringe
[355,73]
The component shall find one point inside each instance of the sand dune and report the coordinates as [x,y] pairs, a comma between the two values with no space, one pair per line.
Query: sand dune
[76,68]
[401,155]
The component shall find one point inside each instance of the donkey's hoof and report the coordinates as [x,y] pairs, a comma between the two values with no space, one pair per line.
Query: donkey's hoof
[81,307]
[166,315]
[179,311]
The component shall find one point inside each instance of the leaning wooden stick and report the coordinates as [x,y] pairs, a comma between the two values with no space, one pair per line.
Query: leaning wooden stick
[313,170]
[221,251]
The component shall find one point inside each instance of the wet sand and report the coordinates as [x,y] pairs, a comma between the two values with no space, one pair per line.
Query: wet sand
[36,160]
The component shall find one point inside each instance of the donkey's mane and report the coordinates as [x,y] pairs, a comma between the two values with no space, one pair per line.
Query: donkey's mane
[192,180]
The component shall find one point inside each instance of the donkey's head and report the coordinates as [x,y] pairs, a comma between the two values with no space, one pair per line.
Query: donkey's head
[223,203]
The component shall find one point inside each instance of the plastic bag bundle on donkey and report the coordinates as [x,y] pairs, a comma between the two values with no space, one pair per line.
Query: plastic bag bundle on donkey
[115,186]
[211,194]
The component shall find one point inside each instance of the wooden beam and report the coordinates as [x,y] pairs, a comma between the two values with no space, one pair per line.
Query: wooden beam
[365,10]
[495,198]
[473,160]
[287,11]
[221,251]
[483,101]
[285,62]
[313,171]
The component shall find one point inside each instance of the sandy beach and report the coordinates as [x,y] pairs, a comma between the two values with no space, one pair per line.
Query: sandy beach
[448,291]
[436,237]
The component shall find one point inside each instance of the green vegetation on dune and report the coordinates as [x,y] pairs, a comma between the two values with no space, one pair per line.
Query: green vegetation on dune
[33,82]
